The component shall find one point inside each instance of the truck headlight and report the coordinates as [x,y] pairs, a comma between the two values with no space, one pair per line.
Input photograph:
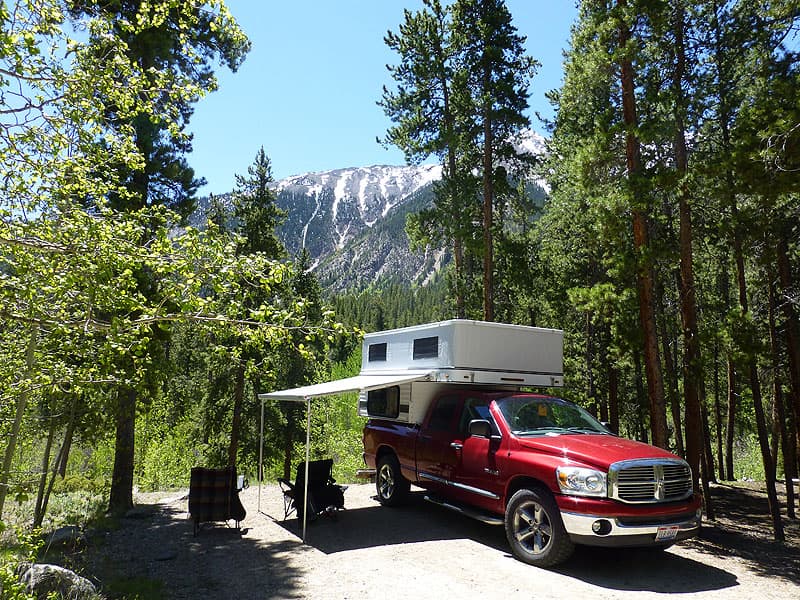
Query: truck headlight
[579,481]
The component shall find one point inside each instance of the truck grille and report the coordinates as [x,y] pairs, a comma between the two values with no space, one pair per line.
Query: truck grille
[650,481]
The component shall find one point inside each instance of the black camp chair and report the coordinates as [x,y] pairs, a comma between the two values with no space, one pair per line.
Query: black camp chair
[325,496]
[214,496]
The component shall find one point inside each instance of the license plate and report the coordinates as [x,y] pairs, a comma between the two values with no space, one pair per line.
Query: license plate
[666,533]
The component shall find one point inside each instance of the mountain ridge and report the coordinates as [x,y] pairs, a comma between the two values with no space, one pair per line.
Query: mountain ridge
[352,220]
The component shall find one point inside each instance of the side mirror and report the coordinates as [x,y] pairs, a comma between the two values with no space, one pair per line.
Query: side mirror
[480,427]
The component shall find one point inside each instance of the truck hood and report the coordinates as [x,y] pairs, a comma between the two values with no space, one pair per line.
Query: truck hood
[598,451]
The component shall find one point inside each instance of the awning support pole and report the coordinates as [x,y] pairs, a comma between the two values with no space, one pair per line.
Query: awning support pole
[305,479]
[261,455]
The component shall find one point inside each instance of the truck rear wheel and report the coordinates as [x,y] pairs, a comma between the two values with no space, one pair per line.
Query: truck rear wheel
[392,487]
[535,530]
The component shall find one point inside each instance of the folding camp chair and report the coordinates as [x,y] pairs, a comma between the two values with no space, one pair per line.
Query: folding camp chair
[214,496]
[325,496]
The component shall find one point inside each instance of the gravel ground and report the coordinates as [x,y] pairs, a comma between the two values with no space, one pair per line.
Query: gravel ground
[424,551]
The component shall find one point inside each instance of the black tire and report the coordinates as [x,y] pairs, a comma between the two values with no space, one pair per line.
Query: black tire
[535,530]
[390,484]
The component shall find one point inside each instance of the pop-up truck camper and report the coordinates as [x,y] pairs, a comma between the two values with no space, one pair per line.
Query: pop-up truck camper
[455,352]
[451,409]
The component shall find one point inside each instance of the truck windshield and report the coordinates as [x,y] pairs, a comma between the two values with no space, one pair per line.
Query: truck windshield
[535,415]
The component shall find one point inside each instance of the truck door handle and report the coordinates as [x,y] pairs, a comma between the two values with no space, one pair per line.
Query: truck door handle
[456,445]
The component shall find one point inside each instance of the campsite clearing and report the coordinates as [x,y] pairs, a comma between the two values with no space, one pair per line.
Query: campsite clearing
[423,551]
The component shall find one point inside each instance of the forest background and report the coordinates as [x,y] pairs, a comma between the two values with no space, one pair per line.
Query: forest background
[133,347]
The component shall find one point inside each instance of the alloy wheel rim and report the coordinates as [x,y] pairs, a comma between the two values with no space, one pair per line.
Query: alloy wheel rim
[532,528]
[386,481]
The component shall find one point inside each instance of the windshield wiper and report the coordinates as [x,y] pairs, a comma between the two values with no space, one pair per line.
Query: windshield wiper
[585,430]
[542,431]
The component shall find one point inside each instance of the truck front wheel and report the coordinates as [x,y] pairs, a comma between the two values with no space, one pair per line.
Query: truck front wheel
[535,530]
[392,487]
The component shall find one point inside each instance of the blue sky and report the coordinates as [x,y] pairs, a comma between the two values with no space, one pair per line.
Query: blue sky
[307,91]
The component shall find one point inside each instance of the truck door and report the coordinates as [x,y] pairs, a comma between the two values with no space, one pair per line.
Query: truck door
[436,455]
[475,471]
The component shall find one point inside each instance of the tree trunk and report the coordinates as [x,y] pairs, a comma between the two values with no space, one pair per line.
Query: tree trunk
[763,440]
[692,373]
[236,421]
[613,398]
[779,426]
[121,497]
[38,510]
[718,413]
[708,453]
[755,388]
[591,391]
[671,379]
[60,462]
[790,322]
[645,277]
[641,432]
[790,463]
[488,200]
[706,466]
[22,403]
[66,447]
[730,426]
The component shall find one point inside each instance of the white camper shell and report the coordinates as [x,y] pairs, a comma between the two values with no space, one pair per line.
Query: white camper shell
[434,356]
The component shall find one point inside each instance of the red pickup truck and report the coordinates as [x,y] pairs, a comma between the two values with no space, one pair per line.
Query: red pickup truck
[541,466]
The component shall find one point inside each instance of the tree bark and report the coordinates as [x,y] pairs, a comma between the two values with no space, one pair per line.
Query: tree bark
[645,277]
[121,497]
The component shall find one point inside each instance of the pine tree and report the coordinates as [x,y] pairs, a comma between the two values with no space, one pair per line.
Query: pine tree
[492,105]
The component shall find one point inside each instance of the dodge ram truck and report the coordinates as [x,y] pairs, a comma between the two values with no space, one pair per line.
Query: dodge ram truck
[541,466]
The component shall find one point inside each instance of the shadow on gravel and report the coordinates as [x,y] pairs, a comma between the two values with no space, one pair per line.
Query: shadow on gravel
[744,530]
[645,570]
[420,521]
[165,549]
[415,521]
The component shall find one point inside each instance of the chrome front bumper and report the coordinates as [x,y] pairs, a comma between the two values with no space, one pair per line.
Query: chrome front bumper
[580,529]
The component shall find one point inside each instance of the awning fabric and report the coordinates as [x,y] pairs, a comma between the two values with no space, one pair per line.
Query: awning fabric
[340,386]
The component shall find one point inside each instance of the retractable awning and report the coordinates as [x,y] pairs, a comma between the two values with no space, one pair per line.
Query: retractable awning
[340,386]
[308,392]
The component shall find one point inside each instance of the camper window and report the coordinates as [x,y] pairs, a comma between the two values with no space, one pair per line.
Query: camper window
[384,403]
[377,352]
[427,347]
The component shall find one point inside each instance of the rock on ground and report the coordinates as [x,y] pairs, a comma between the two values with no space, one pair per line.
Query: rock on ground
[42,580]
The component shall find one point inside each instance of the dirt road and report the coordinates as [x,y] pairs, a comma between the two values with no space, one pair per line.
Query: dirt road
[424,551]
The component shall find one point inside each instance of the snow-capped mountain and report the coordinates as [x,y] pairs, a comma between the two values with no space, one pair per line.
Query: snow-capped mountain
[352,221]
[327,210]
